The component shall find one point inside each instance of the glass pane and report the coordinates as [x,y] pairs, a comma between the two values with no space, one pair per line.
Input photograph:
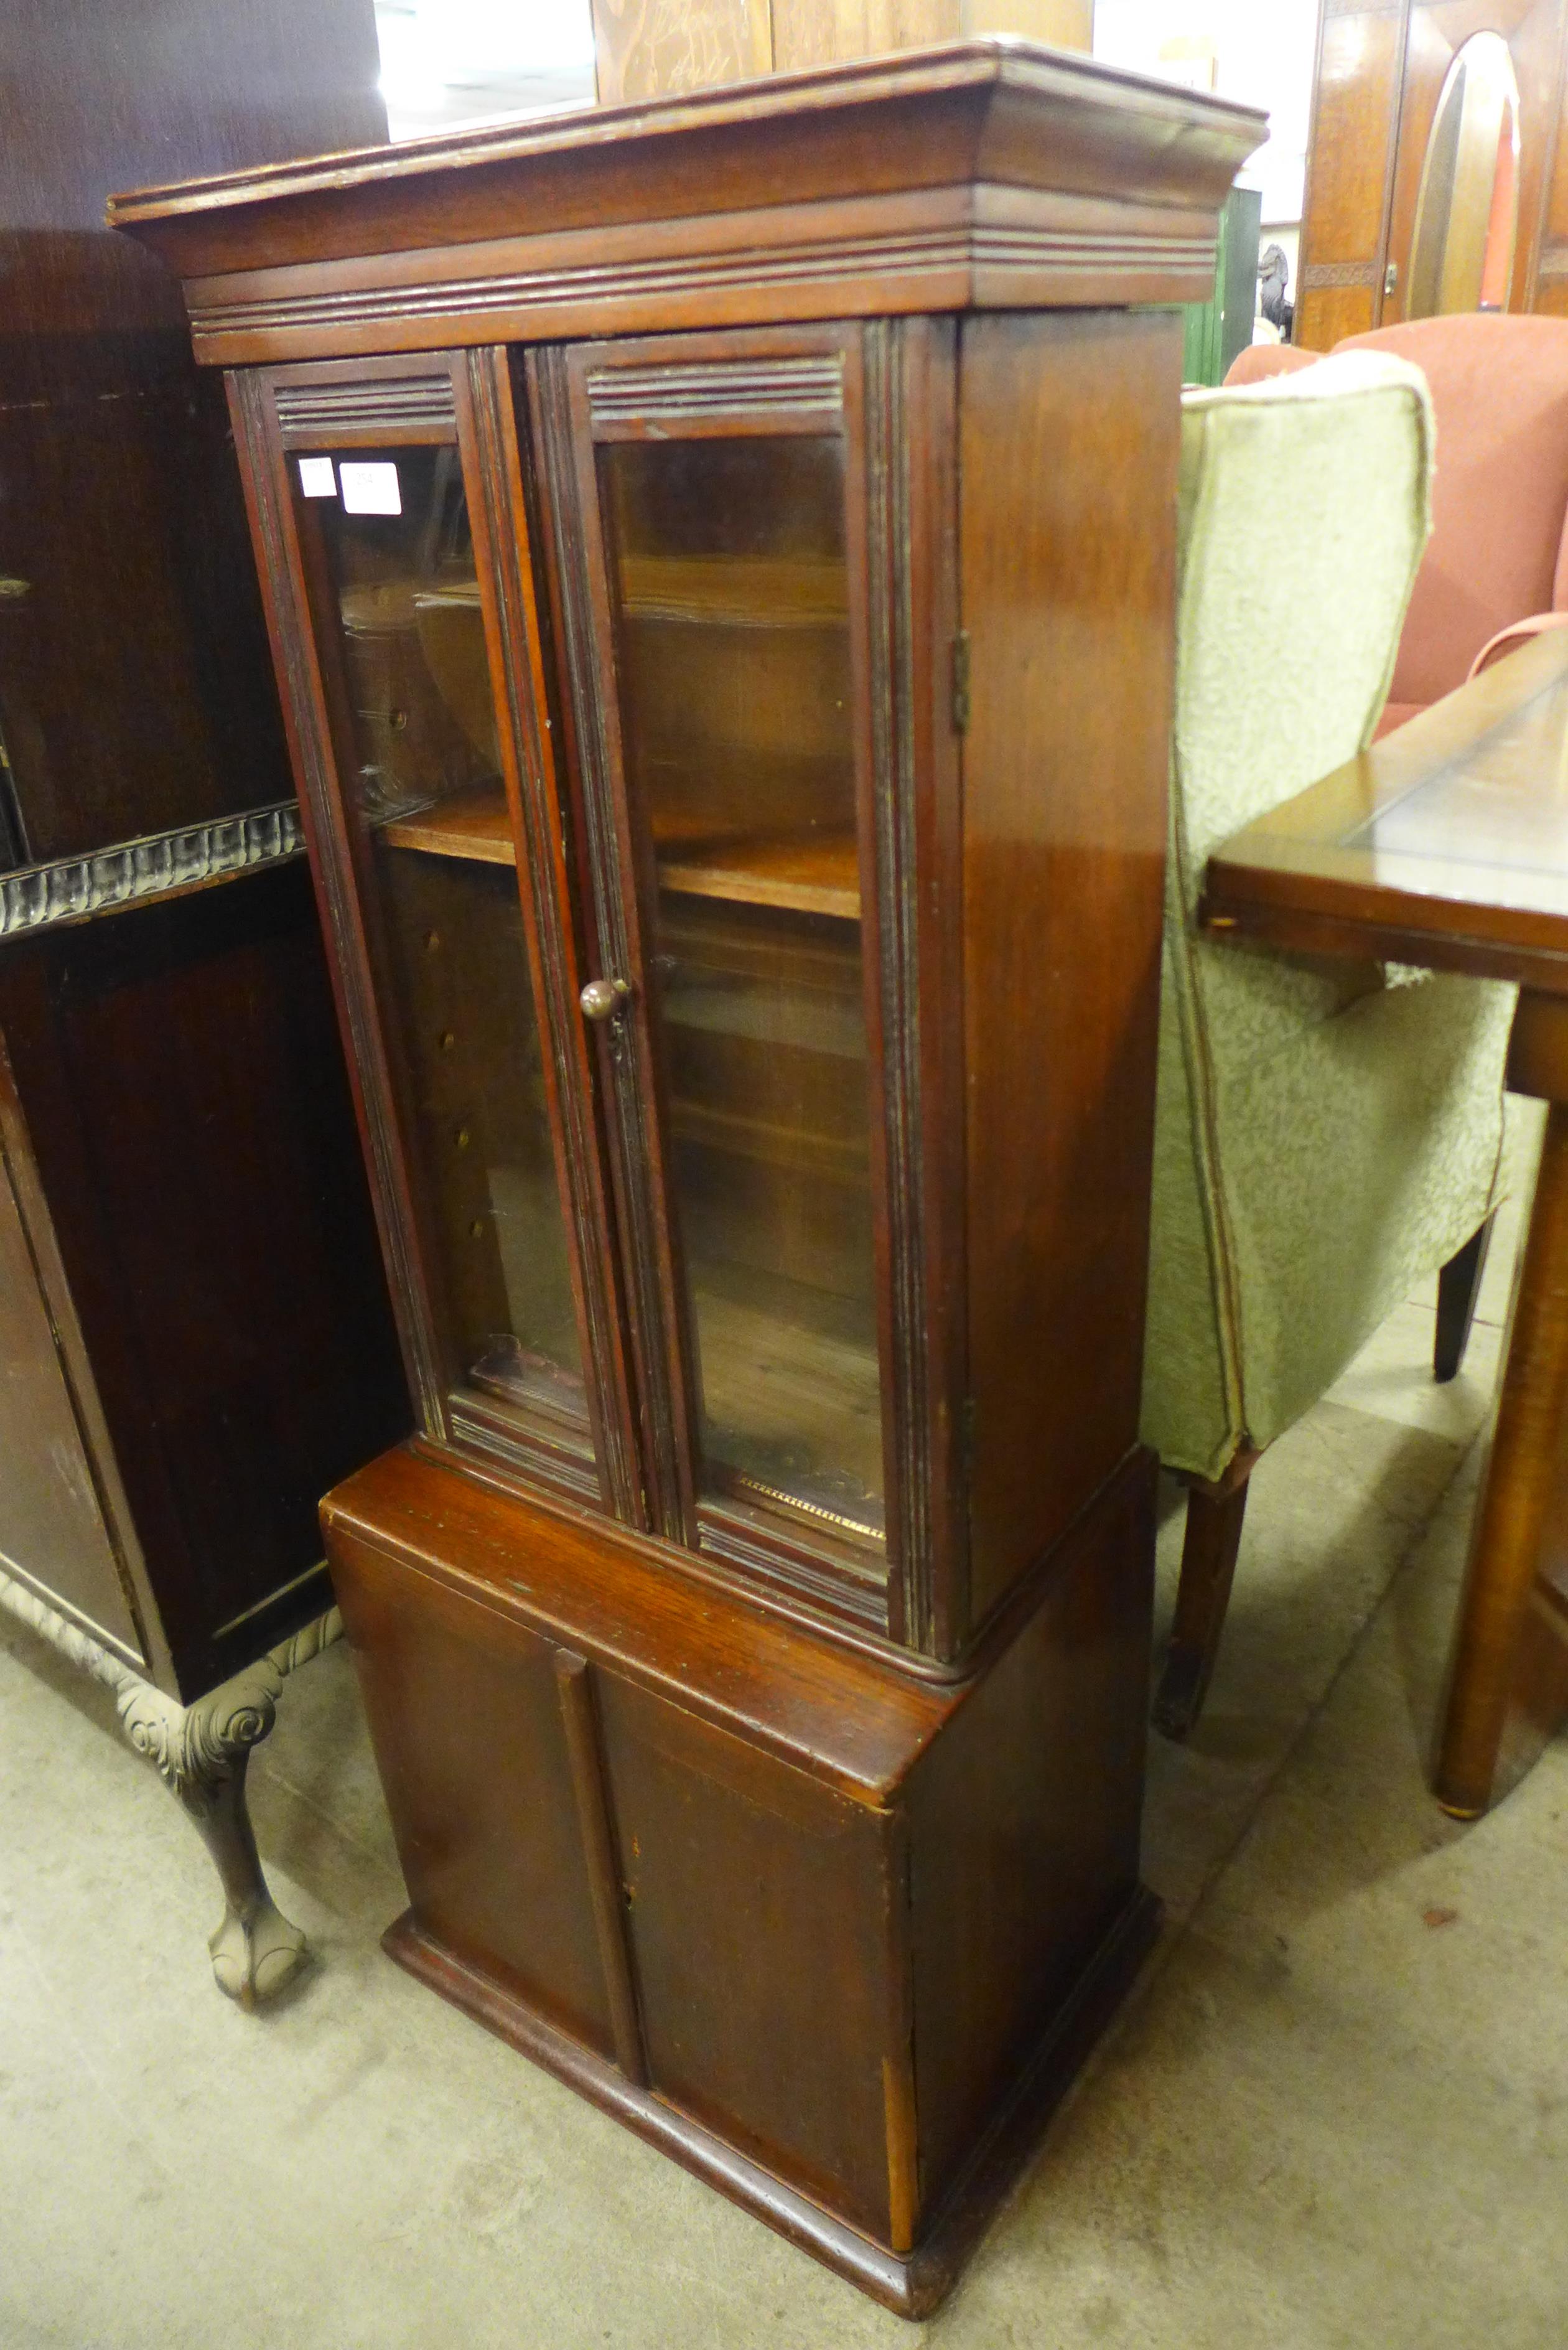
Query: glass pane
[414,686]
[733,638]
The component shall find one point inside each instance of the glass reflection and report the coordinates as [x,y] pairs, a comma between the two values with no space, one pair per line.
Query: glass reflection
[1466,213]
[735,679]
[413,689]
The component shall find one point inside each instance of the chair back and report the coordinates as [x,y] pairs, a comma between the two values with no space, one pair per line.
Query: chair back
[1302,512]
[1303,509]
[1259,361]
[1500,496]
[1498,551]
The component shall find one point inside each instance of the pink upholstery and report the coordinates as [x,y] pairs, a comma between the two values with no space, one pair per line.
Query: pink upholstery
[1261,360]
[1498,549]
[1499,386]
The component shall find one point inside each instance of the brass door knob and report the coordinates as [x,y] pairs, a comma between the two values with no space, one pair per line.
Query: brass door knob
[603,998]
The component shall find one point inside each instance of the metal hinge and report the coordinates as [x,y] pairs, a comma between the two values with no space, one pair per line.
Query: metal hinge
[960,682]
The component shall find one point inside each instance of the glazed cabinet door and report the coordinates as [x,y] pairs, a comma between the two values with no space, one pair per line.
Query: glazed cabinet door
[738,665]
[387,502]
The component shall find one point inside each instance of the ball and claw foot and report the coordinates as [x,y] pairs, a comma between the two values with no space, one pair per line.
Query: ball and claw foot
[201,1751]
[256,1949]
[254,1957]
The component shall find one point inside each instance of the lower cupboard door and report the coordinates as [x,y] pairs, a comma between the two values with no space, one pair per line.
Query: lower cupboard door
[465,1716]
[759,1909]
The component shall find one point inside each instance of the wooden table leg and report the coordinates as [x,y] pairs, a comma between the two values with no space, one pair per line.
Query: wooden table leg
[1508,1690]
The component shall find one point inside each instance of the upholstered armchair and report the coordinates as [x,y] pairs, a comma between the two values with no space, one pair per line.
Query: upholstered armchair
[1496,567]
[1327,1134]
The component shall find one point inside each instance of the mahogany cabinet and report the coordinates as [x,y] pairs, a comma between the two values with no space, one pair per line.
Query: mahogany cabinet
[720,560]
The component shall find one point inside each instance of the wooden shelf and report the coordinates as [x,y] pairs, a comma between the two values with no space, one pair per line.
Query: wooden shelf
[819,874]
[474,824]
[736,591]
[796,1150]
[782,1378]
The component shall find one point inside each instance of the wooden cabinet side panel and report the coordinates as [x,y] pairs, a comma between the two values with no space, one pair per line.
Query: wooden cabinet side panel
[1024,1827]
[757,1908]
[1068,434]
[466,1721]
[193,1138]
[52,1524]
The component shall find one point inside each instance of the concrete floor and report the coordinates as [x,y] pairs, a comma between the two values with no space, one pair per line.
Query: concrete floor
[1335,2113]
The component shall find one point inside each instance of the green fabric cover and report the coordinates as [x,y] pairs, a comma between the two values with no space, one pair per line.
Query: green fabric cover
[1328,1132]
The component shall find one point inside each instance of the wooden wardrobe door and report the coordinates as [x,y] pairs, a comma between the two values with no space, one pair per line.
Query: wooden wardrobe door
[1354,129]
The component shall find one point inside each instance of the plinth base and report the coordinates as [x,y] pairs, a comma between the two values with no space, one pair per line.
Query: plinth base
[912,2285]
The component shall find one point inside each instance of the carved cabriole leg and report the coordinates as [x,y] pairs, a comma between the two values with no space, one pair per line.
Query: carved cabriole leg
[1215,1510]
[201,1752]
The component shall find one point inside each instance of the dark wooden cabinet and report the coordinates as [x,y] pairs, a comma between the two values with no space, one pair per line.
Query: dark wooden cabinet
[194,1323]
[194,1332]
[720,565]
[200,1284]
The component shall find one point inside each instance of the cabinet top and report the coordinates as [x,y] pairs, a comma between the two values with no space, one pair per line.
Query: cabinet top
[984,173]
